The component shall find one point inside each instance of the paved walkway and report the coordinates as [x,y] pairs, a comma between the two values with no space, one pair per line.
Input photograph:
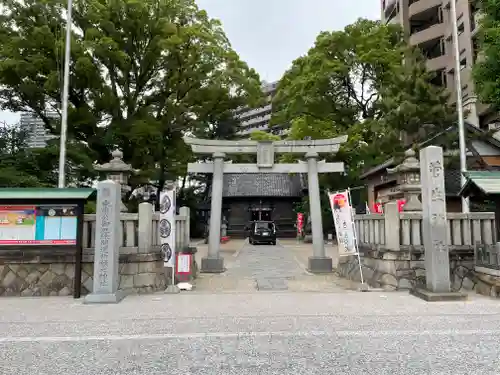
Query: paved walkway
[269,268]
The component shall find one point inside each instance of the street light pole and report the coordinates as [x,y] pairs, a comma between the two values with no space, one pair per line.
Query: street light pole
[64,107]
[460,109]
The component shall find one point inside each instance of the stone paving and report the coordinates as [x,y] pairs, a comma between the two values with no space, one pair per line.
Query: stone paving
[270,268]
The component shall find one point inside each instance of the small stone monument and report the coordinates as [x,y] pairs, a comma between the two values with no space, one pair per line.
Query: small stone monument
[118,171]
[107,245]
[434,229]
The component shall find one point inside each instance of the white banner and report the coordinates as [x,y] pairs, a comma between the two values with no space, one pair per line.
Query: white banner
[340,203]
[166,226]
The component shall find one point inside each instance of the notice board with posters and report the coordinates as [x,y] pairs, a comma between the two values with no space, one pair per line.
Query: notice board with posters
[43,222]
[40,224]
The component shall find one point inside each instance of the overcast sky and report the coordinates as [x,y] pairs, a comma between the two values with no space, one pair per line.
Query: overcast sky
[270,34]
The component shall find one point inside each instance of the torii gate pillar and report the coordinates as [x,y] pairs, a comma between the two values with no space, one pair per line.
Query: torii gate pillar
[318,262]
[213,263]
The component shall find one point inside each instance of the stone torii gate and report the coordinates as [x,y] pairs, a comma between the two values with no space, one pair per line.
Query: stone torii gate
[265,150]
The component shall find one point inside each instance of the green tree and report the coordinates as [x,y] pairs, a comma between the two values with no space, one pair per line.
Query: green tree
[486,70]
[353,82]
[259,135]
[12,146]
[21,166]
[143,74]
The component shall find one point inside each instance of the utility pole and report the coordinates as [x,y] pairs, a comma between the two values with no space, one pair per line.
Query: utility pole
[64,109]
[460,109]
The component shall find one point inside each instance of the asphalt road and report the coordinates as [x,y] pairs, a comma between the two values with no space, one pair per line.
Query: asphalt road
[251,333]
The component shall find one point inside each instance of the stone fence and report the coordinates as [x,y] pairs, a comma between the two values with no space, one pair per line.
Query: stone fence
[396,231]
[139,231]
[392,251]
[51,271]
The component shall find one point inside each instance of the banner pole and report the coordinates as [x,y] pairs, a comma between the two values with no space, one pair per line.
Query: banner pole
[355,235]
[173,273]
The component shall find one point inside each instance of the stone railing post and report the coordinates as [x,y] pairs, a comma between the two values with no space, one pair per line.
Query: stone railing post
[145,227]
[184,211]
[392,226]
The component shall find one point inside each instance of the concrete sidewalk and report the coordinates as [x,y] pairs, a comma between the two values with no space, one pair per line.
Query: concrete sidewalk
[247,334]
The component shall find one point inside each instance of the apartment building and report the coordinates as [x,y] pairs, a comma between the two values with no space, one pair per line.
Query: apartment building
[252,119]
[429,26]
[37,134]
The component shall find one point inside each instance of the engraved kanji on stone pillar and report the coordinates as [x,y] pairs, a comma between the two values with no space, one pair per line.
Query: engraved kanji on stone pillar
[107,245]
[434,229]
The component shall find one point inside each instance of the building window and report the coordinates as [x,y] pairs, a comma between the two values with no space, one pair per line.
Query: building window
[439,79]
[463,63]
[461,28]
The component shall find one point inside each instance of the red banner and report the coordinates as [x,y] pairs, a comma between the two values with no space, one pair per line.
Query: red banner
[300,222]
[377,208]
[401,203]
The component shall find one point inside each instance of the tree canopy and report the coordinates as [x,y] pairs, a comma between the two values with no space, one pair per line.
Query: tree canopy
[354,82]
[486,71]
[143,73]
[21,166]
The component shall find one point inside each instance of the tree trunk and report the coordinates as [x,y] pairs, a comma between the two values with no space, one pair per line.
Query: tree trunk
[183,187]
[161,181]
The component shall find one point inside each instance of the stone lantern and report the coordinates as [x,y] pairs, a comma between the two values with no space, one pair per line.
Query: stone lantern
[408,179]
[118,171]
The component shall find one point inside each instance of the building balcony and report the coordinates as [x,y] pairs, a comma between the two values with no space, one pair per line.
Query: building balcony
[421,6]
[437,63]
[244,114]
[249,130]
[433,32]
[256,120]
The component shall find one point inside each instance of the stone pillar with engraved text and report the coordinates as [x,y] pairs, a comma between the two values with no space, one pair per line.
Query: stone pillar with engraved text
[437,263]
[435,229]
[107,245]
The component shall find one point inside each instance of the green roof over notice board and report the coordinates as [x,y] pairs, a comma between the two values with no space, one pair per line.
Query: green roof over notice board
[46,193]
[482,182]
